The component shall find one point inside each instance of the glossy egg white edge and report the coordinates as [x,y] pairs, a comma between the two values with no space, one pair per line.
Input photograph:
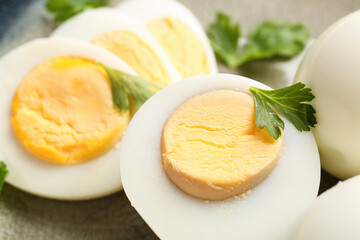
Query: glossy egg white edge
[140,9]
[334,215]
[331,69]
[92,179]
[271,211]
[95,22]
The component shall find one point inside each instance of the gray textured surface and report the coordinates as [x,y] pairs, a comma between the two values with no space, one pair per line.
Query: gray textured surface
[23,216]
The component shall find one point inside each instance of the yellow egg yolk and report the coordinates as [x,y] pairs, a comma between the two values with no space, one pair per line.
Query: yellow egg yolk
[181,44]
[63,111]
[212,149]
[136,53]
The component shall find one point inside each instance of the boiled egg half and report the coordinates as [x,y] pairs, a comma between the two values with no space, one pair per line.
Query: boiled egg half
[168,130]
[179,33]
[60,132]
[126,38]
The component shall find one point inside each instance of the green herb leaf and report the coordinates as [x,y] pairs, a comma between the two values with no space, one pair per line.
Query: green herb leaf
[274,39]
[268,40]
[290,102]
[224,38]
[125,85]
[3,173]
[64,9]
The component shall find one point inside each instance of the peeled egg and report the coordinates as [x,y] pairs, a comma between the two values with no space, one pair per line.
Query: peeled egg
[334,215]
[178,32]
[330,68]
[269,211]
[123,36]
[94,178]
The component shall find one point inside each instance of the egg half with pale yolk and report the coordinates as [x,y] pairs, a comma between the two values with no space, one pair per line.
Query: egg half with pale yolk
[179,33]
[205,171]
[60,132]
[127,39]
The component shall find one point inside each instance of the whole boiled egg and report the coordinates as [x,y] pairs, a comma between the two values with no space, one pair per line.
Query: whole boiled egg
[60,132]
[334,215]
[127,39]
[331,69]
[178,32]
[205,171]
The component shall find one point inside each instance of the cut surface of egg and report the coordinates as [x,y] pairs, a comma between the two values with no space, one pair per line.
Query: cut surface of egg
[123,36]
[330,68]
[269,211]
[57,106]
[334,215]
[178,32]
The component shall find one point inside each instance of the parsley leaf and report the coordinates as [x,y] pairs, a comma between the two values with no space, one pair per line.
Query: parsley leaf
[274,39]
[65,9]
[290,102]
[125,85]
[268,40]
[224,39]
[3,173]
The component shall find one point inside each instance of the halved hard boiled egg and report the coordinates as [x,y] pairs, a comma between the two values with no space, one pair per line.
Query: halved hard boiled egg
[184,131]
[60,132]
[178,32]
[127,39]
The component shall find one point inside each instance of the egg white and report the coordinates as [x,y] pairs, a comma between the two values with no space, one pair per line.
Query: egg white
[92,179]
[93,23]
[139,9]
[334,215]
[271,211]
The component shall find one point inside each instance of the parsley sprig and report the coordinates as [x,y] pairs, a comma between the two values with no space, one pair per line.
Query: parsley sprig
[291,102]
[268,40]
[125,86]
[65,9]
[224,39]
[3,173]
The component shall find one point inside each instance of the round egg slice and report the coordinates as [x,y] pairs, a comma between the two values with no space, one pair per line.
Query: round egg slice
[22,103]
[123,36]
[269,211]
[178,32]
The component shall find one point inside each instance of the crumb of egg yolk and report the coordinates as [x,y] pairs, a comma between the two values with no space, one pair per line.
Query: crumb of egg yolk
[181,44]
[135,52]
[63,111]
[212,149]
